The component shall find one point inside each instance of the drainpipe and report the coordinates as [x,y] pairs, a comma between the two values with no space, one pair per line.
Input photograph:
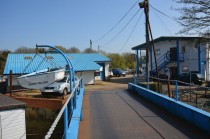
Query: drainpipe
[199,59]
[177,57]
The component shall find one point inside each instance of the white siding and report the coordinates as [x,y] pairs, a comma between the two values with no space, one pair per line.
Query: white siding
[88,77]
[13,124]
[106,70]
[190,54]
[14,80]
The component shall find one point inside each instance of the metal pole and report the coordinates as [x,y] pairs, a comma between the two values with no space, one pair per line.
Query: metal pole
[176,90]
[10,82]
[146,11]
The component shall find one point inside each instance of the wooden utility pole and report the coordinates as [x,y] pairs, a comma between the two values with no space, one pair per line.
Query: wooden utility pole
[98,48]
[146,12]
[90,44]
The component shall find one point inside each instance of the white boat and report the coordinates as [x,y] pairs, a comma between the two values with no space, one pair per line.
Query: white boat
[40,79]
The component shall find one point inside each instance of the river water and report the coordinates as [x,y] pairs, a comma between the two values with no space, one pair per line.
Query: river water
[38,122]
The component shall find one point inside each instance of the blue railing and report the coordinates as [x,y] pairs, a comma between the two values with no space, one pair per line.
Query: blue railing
[71,110]
[164,60]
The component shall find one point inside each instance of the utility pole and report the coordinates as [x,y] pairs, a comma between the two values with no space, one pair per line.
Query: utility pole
[98,48]
[146,12]
[90,44]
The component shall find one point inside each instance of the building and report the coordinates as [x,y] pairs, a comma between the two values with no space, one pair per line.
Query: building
[177,55]
[91,67]
[12,118]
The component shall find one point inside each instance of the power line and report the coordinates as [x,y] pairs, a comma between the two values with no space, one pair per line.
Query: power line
[171,17]
[131,32]
[121,29]
[163,23]
[117,22]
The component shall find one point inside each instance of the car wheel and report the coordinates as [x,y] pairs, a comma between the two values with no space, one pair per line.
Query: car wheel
[65,92]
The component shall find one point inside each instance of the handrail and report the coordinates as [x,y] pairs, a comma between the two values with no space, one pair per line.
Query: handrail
[50,131]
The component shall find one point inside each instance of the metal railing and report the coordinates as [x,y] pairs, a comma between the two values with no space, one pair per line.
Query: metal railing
[71,103]
[195,95]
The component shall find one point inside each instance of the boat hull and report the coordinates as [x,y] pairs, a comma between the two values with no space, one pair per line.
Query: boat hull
[40,79]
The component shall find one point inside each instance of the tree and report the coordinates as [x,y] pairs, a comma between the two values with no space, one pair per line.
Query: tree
[195,15]
[117,61]
[25,50]
[89,50]
[3,58]
[73,50]
[129,60]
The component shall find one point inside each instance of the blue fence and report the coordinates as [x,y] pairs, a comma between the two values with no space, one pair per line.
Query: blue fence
[189,113]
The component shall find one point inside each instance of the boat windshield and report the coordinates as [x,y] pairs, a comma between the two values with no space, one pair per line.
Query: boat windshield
[63,80]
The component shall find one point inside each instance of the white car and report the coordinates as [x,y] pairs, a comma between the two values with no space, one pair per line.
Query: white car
[61,87]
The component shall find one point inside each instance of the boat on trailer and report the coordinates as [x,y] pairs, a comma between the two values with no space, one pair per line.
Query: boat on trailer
[42,78]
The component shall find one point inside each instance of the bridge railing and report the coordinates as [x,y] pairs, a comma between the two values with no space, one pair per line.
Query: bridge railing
[70,104]
[190,93]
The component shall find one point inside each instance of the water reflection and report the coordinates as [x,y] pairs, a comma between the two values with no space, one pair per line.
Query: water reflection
[38,122]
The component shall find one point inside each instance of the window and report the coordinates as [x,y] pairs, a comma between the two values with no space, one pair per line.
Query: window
[49,57]
[185,69]
[157,51]
[27,57]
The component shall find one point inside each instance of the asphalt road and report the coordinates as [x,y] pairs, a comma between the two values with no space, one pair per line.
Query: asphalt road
[111,112]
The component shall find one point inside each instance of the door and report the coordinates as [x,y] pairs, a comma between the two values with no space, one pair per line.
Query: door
[173,73]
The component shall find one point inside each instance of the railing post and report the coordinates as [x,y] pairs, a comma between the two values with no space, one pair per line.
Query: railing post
[66,123]
[75,99]
[176,91]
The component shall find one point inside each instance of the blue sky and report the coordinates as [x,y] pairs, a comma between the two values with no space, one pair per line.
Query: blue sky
[71,23]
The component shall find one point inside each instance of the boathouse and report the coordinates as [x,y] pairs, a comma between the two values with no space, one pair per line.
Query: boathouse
[177,55]
[12,118]
[91,67]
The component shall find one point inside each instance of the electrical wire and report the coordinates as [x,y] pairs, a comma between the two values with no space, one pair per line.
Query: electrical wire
[172,18]
[116,23]
[163,23]
[121,29]
[131,32]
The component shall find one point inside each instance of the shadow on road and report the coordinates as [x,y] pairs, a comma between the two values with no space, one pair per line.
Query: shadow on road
[122,80]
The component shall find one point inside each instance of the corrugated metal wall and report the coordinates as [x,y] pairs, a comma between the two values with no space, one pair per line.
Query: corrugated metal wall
[13,124]
[88,77]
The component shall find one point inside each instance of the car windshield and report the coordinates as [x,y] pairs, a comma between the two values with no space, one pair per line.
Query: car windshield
[200,76]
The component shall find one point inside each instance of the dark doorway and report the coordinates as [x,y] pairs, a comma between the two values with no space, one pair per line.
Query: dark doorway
[173,73]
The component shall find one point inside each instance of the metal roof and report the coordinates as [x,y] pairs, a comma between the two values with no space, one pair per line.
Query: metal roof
[164,38]
[7,103]
[27,63]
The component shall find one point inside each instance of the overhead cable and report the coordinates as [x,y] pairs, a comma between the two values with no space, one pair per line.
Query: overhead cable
[171,17]
[131,32]
[121,29]
[116,23]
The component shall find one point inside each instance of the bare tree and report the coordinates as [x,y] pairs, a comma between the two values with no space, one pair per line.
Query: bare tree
[89,50]
[195,15]
[74,50]
[25,50]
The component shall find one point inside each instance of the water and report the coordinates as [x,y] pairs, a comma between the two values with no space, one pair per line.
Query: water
[38,122]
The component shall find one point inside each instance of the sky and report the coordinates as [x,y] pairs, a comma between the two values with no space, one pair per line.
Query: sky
[73,23]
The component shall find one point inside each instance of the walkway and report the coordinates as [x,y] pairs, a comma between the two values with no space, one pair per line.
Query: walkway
[111,112]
